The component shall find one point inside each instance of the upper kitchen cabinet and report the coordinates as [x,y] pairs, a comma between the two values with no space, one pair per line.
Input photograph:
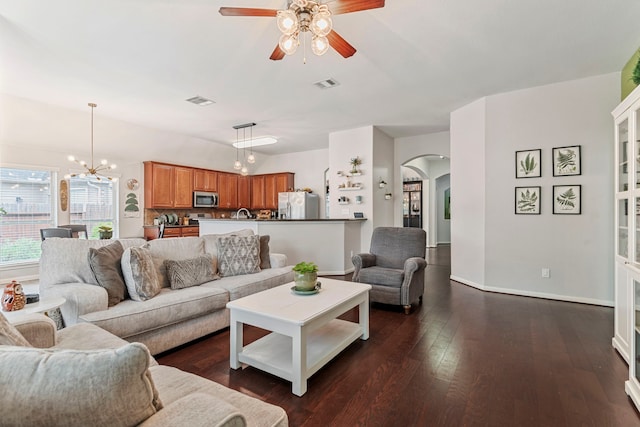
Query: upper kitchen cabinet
[274,184]
[258,200]
[205,180]
[227,190]
[167,186]
[244,191]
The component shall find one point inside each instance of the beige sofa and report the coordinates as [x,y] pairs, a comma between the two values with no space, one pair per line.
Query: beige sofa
[168,319]
[83,375]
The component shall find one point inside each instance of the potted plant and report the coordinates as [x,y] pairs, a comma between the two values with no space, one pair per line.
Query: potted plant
[355,162]
[305,276]
[105,232]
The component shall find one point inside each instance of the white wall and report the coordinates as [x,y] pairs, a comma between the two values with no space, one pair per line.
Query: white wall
[576,248]
[468,194]
[383,167]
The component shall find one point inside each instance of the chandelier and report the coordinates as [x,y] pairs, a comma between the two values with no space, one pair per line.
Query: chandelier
[304,16]
[251,158]
[92,170]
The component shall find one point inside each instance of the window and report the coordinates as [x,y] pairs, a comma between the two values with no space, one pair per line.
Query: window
[26,206]
[93,203]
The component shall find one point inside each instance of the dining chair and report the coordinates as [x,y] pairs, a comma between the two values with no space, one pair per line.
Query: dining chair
[46,233]
[76,229]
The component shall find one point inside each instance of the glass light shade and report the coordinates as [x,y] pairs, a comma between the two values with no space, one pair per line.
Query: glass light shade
[83,175]
[321,24]
[67,176]
[244,171]
[83,163]
[113,166]
[104,162]
[287,21]
[251,158]
[288,44]
[71,158]
[319,45]
[237,165]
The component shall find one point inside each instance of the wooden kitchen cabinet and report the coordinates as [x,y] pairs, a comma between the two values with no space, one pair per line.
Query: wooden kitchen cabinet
[258,200]
[167,186]
[227,191]
[244,192]
[274,184]
[183,188]
[205,180]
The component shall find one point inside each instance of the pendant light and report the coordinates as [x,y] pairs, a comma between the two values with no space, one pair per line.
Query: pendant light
[237,165]
[251,158]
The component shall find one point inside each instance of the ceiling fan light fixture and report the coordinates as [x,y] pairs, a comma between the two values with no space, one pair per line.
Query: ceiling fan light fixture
[321,23]
[287,21]
[319,45]
[288,43]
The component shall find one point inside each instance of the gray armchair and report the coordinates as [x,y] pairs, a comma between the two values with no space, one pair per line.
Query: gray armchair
[394,266]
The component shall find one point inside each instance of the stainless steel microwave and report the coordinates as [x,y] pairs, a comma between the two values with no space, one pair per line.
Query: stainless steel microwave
[205,199]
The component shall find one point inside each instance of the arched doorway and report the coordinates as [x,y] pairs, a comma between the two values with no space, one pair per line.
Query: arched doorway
[426,196]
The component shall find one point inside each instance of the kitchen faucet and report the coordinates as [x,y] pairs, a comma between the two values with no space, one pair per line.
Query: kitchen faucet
[243,209]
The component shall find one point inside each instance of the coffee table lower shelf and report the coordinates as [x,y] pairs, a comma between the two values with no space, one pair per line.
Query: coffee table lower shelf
[273,353]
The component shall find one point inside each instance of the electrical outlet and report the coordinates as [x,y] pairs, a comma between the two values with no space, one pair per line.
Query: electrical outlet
[546,273]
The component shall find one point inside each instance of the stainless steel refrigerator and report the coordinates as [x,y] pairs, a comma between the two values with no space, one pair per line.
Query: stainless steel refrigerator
[298,205]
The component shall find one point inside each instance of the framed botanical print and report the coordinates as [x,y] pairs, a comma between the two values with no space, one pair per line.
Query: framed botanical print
[567,161]
[528,164]
[567,199]
[528,200]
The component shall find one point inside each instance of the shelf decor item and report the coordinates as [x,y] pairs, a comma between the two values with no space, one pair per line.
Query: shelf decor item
[566,161]
[105,232]
[355,162]
[567,199]
[305,276]
[528,164]
[528,200]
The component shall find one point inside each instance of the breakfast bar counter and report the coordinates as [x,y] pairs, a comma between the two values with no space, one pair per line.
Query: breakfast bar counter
[329,243]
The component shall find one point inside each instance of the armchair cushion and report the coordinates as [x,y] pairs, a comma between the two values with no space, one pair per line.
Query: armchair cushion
[38,329]
[77,388]
[382,276]
[197,410]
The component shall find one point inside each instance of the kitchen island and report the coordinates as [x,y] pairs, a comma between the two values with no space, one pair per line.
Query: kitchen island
[329,243]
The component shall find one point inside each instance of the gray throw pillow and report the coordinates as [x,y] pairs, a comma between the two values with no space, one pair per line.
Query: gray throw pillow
[189,272]
[140,274]
[106,268]
[9,335]
[238,255]
[77,387]
[265,262]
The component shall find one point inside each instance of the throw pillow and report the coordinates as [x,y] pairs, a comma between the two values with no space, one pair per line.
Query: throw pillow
[189,272]
[77,388]
[265,262]
[140,274]
[9,335]
[238,255]
[105,265]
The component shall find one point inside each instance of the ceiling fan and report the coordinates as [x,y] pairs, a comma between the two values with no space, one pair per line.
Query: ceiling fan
[302,16]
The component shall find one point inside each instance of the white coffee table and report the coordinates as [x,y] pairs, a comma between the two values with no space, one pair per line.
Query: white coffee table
[306,333]
[42,306]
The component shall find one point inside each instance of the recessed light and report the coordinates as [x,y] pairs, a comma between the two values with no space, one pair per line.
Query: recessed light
[262,140]
[200,100]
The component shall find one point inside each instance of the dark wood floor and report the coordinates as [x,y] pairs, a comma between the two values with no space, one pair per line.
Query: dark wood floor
[462,358]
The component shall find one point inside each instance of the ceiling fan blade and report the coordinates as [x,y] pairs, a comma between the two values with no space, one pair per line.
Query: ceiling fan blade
[338,7]
[247,11]
[277,54]
[340,45]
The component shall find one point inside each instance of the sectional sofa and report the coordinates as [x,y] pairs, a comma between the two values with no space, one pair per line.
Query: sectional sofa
[79,271]
[83,375]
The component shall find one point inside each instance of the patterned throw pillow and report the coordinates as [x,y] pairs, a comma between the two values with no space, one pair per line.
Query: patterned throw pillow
[238,255]
[9,335]
[189,272]
[140,273]
[106,267]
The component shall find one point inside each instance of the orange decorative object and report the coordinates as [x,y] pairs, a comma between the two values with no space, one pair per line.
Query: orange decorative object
[13,297]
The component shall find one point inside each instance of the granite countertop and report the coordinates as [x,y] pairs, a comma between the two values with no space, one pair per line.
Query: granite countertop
[284,220]
[171,226]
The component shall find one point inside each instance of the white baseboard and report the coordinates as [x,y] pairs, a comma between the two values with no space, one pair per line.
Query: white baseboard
[520,292]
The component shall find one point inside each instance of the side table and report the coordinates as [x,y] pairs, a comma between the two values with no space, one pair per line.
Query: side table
[42,306]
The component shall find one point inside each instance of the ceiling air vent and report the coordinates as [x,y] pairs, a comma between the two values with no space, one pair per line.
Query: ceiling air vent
[199,100]
[326,84]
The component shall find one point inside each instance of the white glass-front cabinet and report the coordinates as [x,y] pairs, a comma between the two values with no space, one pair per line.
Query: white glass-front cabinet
[626,339]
